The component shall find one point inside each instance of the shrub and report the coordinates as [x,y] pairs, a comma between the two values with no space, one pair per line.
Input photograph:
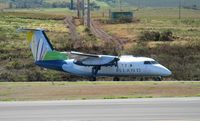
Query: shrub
[148,36]
[35,76]
[166,36]
[87,30]
[156,36]
[6,77]
[14,65]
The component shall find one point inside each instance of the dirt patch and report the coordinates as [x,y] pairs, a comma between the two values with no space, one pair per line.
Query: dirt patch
[74,36]
[100,33]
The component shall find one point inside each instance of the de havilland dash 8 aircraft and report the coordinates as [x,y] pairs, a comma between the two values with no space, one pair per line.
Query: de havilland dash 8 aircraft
[90,65]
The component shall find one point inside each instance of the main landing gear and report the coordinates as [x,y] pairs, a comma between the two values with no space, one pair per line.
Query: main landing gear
[95,70]
[116,79]
[93,79]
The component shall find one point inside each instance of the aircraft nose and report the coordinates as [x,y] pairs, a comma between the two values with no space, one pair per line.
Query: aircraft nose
[164,71]
[167,72]
[161,70]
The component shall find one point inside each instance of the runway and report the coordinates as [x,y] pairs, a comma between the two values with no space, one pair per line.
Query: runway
[155,109]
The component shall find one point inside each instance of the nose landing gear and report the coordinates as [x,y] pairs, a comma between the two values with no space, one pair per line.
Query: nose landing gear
[158,78]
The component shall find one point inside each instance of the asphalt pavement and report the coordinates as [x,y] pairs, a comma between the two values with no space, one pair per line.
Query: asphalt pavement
[154,109]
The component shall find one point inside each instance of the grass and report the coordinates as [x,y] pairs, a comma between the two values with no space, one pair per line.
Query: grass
[186,29]
[170,13]
[181,56]
[25,91]
[49,11]
[14,48]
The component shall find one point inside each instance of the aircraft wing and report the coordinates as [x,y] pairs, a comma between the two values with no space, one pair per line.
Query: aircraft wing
[84,59]
[84,54]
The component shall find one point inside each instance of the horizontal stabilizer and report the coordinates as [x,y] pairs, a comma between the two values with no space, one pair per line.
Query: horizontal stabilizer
[26,29]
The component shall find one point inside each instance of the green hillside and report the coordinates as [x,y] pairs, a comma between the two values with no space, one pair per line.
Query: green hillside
[102,3]
[162,3]
[153,3]
[45,3]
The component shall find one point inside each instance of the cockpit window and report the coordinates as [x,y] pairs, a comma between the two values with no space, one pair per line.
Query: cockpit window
[154,62]
[147,62]
[150,62]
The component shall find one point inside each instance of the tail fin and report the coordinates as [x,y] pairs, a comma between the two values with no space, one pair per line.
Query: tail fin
[41,47]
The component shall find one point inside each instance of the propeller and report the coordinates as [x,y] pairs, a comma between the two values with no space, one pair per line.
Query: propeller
[116,60]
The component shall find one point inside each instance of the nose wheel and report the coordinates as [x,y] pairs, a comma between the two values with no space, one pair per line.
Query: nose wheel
[158,78]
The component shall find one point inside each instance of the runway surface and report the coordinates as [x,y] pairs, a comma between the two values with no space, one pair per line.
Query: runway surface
[158,109]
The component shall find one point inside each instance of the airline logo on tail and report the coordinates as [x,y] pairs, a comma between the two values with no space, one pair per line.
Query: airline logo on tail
[41,47]
[38,44]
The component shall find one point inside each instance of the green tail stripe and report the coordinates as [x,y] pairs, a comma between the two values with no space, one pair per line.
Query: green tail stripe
[55,55]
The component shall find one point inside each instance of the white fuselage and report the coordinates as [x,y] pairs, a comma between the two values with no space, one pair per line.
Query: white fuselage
[127,66]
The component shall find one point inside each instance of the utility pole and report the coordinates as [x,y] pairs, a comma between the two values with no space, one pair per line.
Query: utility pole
[78,9]
[72,5]
[88,13]
[139,3]
[120,5]
[180,9]
[83,9]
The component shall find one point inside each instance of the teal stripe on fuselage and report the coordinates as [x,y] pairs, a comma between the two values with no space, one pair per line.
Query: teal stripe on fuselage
[52,64]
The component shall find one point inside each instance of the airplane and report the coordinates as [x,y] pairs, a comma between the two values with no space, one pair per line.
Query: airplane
[91,65]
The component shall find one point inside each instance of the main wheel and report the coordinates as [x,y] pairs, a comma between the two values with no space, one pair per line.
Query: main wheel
[93,79]
[116,79]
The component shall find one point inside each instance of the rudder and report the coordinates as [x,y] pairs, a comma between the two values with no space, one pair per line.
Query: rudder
[41,47]
[39,43]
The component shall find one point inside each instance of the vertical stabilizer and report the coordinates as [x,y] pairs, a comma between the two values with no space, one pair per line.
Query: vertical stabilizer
[41,47]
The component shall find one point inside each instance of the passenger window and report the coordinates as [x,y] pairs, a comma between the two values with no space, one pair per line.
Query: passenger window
[131,65]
